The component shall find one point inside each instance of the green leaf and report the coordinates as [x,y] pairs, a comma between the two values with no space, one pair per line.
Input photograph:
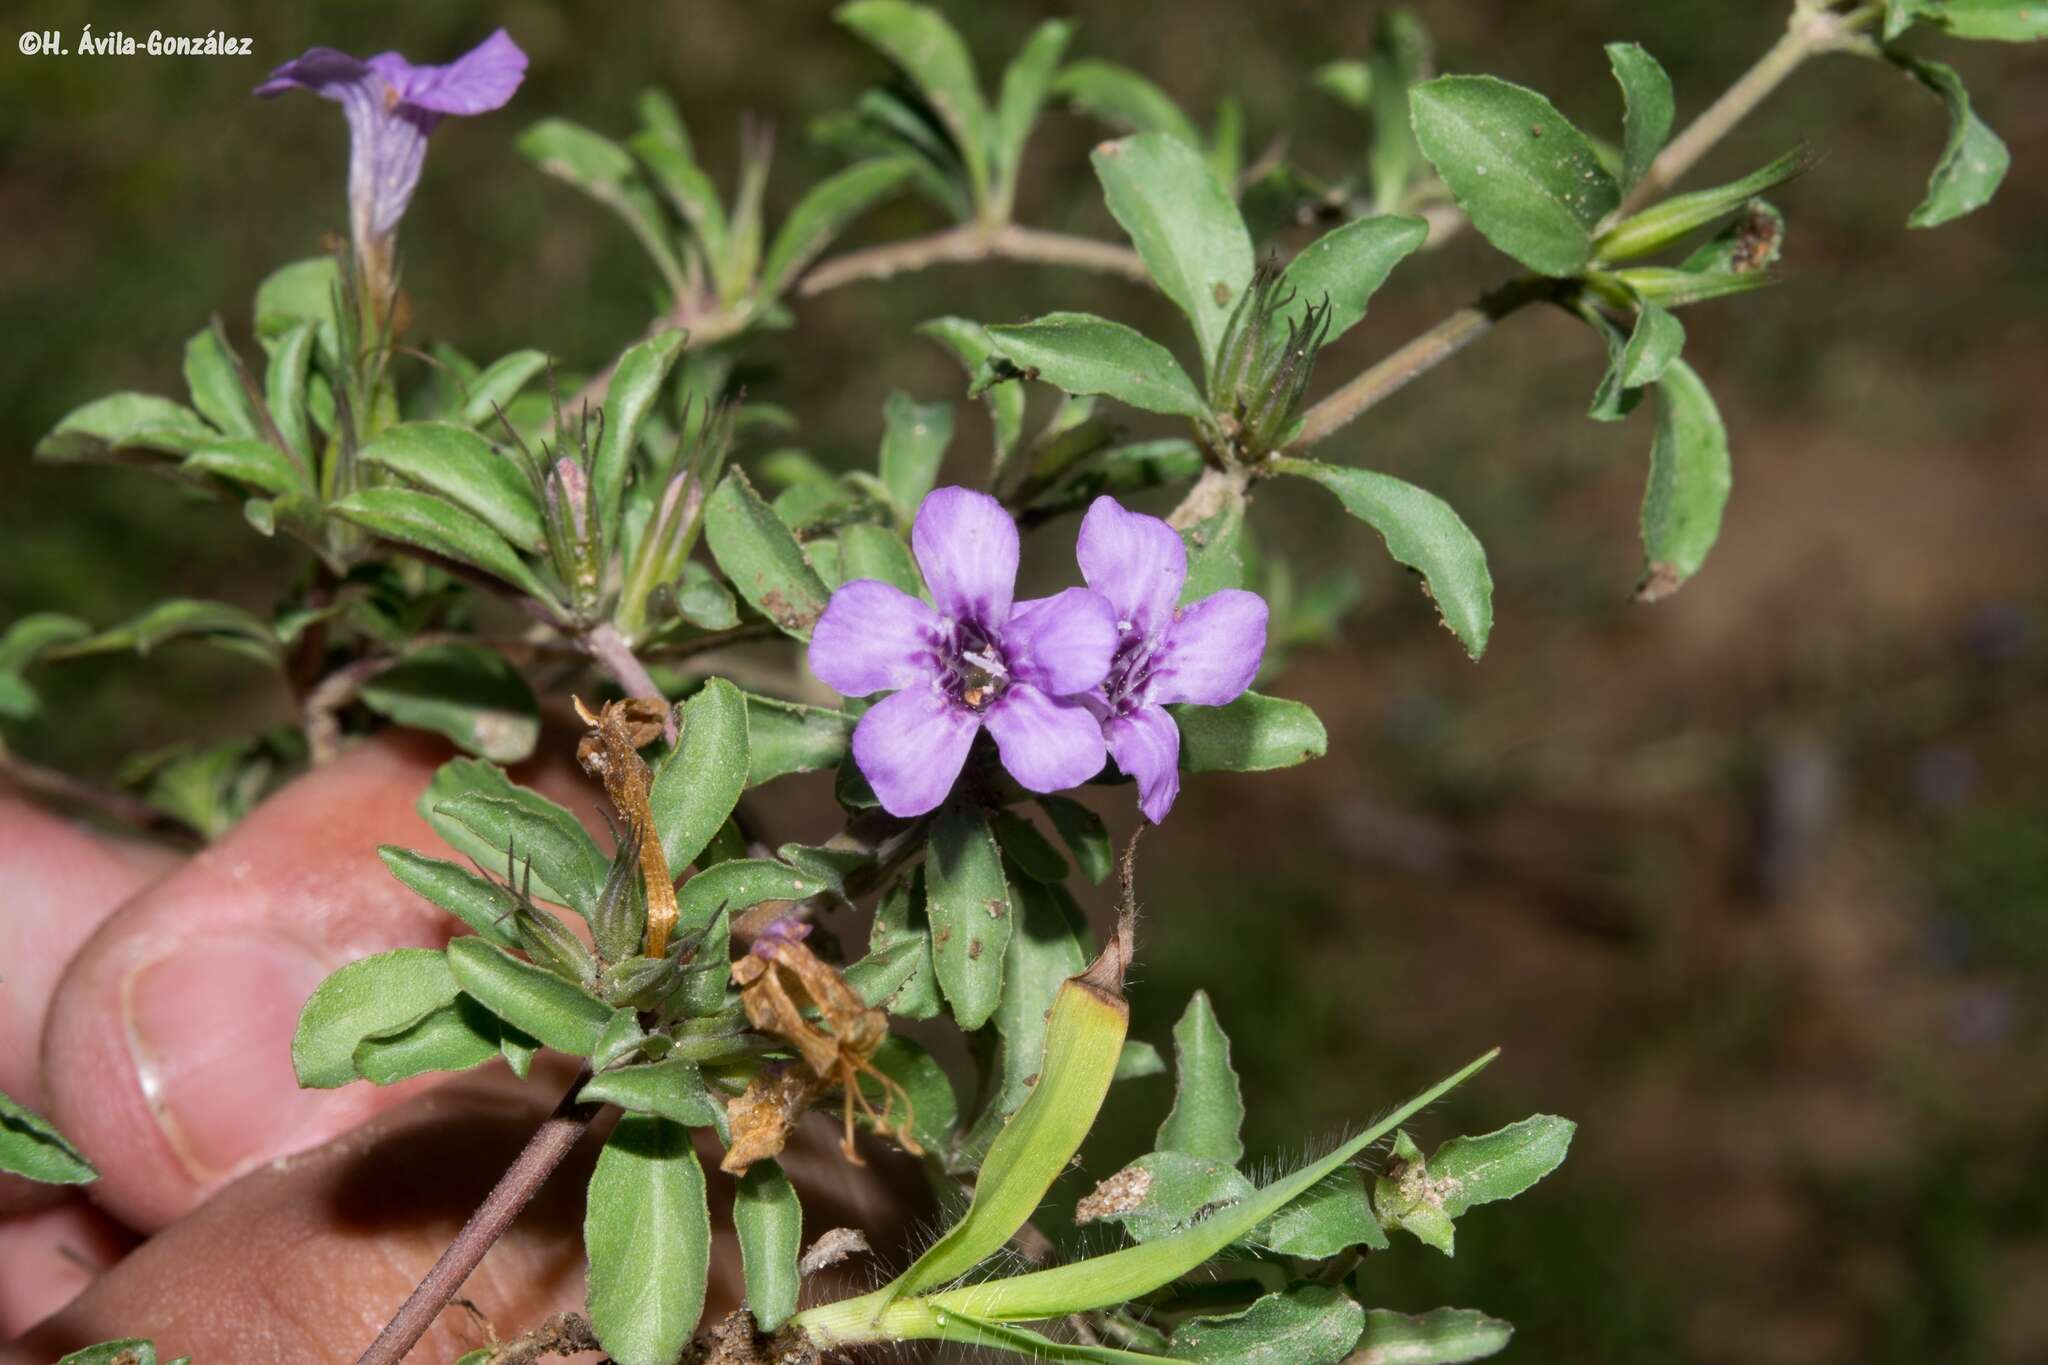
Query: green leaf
[1421,532]
[455,1037]
[786,737]
[698,784]
[935,1108]
[466,692]
[127,1351]
[1690,473]
[823,213]
[1442,1336]
[1333,1217]
[1347,82]
[702,600]
[32,636]
[1208,1106]
[303,291]
[1400,57]
[1973,161]
[1184,225]
[876,552]
[1656,341]
[663,144]
[647,1230]
[474,900]
[602,169]
[1215,548]
[972,346]
[635,388]
[1502,1164]
[181,618]
[531,999]
[1028,850]
[1025,83]
[1046,947]
[429,523]
[1084,834]
[106,427]
[969,904]
[214,376]
[1123,99]
[914,440]
[1139,1059]
[499,383]
[31,1146]
[1124,1275]
[485,830]
[1081,353]
[1647,108]
[739,884]
[465,470]
[1164,1193]
[1309,1324]
[762,558]
[930,52]
[2005,21]
[673,1089]
[371,996]
[284,380]
[1663,223]
[770,1224]
[897,974]
[1751,242]
[1530,182]
[1253,734]
[1347,265]
[259,464]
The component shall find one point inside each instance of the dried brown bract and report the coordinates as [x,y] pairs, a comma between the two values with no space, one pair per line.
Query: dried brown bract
[778,980]
[611,754]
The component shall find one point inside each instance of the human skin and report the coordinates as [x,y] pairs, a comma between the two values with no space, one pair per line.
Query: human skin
[148,1007]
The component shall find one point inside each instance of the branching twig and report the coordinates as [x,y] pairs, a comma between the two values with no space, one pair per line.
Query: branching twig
[515,1189]
[62,788]
[973,242]
[604,644]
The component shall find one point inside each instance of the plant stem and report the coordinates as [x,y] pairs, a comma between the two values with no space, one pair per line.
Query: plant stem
[51,785]
[515,1189]
[604,644]
[972,242]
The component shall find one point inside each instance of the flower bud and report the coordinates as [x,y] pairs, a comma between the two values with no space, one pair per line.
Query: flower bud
[1261,373]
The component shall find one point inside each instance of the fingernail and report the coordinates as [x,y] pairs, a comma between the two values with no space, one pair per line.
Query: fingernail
[210,1029]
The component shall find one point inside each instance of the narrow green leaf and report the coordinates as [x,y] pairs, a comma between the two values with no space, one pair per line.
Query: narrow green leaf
[739,884]
[487,833]
[499,383]
[823,213]
[770,1224]
[897,975]
[284,381]
[1690,474]
[1253,734]
[369,997]
[1347,82]
[971,345]
[1399,58]
[474,900]
[259,464]
[1165,1193]
[303,291]
[914,440]
[969,904]
[1309,1324]
[785,737]
[1084,834]
[1442,1336]
[1668,288]
[1046,947]
[32,636]
[1333,1217]
[430,523]
[602,169]
[31,1146]
[457,1036]
[127,1351]
[531,999]
[214,377]
[762,558]
[466,692]
[635,389]
[935,1109]
[180,618]
[1421,532]
[929,51]
[673,1089]
[1080,353]
[697,786]
[1647,108]
[1139,1059]
[877,552]
[1025,84]
[1470,1171]
[1665,222]
[1208,1106]
[647,1230]
[1656,341]
[1123,99]
[121,422]
[1973,161]
[1215,547]
[1530,182]
[1347,265]
[2004,21]
[1028,850]
[1184,225]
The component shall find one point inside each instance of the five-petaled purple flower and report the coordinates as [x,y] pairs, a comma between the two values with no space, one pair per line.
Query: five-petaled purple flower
[1206,652]
[391,106]
[970,659]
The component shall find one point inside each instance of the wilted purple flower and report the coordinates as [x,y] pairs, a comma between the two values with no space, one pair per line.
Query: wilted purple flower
[1206,652]
[391,106]
[971,659]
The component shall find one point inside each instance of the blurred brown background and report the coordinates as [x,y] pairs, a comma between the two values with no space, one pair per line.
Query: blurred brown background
[1753,883]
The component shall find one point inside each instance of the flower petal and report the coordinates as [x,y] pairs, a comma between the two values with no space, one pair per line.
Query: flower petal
[1061,644]
[1047,744]
[1146,744]
[1211,652]
[874,637]
[967,546]
[911,746]
[1136,561]
[318,69]
[480,80]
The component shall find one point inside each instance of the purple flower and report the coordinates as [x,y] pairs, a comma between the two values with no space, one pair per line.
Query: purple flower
[973,658]
[1206,652]
[391,106]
